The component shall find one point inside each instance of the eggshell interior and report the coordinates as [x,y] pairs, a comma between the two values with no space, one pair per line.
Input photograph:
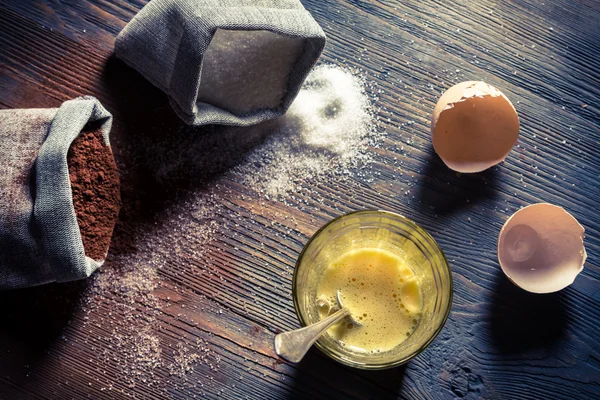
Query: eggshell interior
[540,248]
[474,127]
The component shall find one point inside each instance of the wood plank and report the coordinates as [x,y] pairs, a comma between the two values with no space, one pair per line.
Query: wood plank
[198,279]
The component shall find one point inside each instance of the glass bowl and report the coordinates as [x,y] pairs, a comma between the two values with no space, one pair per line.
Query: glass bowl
[387,231]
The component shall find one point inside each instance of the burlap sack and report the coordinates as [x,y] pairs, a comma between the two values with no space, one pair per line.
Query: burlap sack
[231,62]
[40,240]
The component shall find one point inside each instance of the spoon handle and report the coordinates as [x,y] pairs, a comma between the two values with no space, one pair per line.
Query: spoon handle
[293,345]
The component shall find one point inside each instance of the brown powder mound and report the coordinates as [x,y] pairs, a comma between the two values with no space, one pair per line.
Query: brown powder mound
[95,186]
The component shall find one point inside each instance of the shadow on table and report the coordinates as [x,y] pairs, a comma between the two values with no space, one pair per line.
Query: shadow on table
[522,321]
[161,159]
[447,191]
[33,319]
[320,377]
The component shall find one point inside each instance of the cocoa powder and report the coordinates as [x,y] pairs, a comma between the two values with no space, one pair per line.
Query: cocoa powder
[95,187]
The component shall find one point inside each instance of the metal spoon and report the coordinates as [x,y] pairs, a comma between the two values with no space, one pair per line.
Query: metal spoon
[293,345]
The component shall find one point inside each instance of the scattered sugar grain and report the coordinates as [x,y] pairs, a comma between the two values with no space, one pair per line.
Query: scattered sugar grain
[326,132]
[325,135]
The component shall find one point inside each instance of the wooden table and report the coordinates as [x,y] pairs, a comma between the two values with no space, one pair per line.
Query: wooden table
[198,280]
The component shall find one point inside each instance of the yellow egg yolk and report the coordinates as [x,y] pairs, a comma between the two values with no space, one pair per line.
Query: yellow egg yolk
[382,294]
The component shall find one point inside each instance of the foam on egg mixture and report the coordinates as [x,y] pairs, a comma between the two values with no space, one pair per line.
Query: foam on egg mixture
[382,293]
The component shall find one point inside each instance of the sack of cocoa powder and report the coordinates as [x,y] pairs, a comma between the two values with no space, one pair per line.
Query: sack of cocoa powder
[230,62]
[59,190]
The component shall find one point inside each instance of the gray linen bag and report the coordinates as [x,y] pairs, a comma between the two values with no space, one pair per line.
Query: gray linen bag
[230,62]
[40,240]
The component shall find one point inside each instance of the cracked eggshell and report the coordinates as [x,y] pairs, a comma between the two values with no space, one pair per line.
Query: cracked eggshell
[540,248]
[473,127]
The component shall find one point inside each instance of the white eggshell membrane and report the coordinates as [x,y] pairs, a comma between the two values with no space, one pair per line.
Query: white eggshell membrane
[473,127]
[540,248]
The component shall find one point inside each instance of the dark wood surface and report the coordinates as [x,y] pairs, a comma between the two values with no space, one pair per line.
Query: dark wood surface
[199,275]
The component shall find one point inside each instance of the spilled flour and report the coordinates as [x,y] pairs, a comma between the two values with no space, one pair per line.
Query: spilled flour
[325,136]
[326,131]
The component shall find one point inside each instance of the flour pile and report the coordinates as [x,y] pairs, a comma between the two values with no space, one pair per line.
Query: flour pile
[326,130]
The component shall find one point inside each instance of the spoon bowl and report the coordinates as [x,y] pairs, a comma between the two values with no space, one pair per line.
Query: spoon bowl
[293,345]
[338,298]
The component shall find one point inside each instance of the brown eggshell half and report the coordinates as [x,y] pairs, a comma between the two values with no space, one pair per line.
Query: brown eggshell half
[540,248]
[473,127]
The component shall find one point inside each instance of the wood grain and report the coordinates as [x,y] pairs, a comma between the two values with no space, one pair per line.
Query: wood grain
[222,272]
